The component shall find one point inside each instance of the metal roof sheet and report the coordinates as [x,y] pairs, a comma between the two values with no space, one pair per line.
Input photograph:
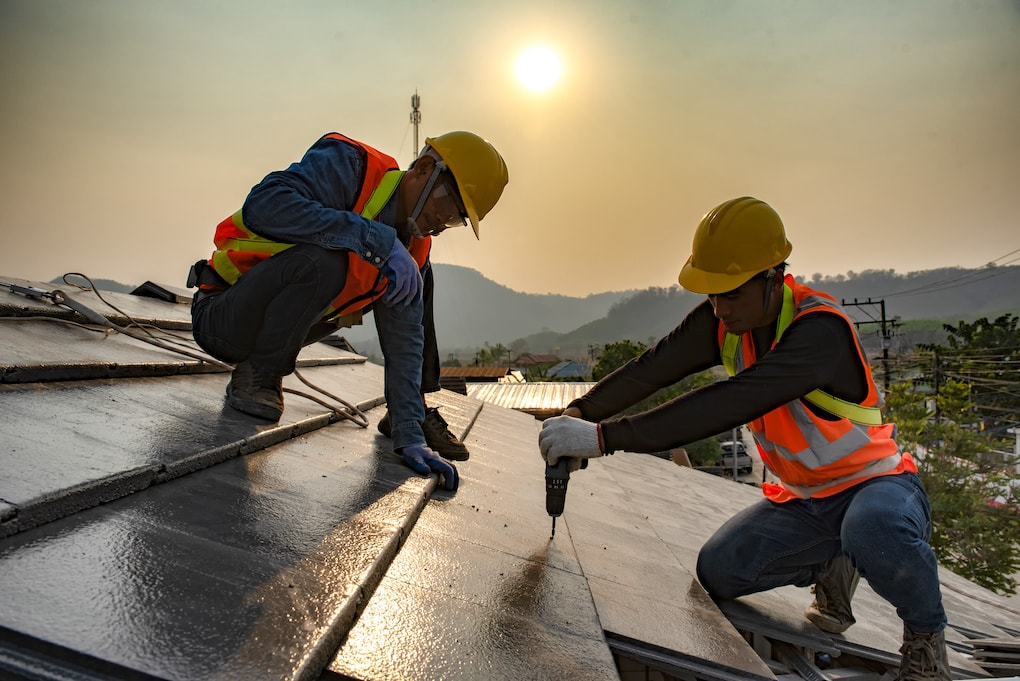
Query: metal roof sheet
[475,372]
[149,531]
[540,399]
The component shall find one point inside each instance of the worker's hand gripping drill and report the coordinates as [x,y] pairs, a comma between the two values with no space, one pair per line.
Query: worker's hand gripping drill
[569,437]
[566,444]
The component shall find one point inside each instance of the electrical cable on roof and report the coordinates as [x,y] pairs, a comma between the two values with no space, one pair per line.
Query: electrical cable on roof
[165,341]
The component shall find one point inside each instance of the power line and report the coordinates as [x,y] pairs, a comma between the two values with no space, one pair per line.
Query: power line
[953,282]
[972,277]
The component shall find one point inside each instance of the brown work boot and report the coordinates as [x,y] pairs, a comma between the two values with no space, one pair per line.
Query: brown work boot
[255,392]
[924,657]
[440,439]
[437,435]
[830,611]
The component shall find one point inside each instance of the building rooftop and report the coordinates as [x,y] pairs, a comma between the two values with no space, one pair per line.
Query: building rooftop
[148,531]
[540,399]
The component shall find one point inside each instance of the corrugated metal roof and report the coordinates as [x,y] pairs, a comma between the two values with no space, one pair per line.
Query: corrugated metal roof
[540,399]
[149,531]
[474,372]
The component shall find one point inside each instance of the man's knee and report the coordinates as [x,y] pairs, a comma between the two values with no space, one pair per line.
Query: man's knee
[713,574]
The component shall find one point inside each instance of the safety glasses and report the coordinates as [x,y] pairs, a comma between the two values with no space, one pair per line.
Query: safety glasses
[449,209]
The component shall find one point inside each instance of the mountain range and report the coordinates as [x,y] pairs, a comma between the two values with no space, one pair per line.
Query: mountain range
[473,311]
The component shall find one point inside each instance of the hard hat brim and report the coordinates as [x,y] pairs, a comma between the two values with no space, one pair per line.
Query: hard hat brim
[472,213]
[710,283]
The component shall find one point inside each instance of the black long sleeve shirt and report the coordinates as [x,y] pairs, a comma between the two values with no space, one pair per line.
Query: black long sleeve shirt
[818,350]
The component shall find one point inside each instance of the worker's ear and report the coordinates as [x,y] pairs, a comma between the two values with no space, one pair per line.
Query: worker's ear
[423,166]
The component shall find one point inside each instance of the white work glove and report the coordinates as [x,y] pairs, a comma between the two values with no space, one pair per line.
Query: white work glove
[566,436]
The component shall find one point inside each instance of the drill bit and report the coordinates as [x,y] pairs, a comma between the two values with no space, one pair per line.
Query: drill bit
[553,528]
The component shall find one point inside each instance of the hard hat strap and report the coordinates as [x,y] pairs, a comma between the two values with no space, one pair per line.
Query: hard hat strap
[770,280]
[439,167]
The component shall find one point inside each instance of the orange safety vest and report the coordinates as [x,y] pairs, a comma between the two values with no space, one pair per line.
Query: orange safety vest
[238,249]
[812,456]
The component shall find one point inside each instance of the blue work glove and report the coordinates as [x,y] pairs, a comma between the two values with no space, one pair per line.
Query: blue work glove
[567,436]
[424,461]
[405,279]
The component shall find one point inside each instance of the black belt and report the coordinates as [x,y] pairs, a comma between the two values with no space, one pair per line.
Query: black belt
[208,281]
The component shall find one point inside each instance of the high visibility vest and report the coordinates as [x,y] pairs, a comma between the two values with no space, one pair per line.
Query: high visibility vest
[812,456]
[238,249]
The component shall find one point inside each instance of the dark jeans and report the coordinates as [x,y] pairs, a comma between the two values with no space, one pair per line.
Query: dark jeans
[273,310]
[430,356]
[228,328]
[883,525]
[276,308]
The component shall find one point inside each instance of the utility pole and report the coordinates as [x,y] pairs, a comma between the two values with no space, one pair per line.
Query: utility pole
[886,334]
[415,120]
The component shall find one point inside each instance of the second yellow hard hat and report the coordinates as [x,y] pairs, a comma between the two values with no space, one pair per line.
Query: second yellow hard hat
[733,242]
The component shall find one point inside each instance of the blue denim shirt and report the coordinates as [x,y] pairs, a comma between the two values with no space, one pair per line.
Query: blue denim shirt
[311,202]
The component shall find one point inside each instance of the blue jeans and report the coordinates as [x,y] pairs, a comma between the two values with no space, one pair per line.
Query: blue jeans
[883,525]
[276,308]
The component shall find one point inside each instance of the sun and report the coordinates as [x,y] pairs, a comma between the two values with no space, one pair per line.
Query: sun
[538,68]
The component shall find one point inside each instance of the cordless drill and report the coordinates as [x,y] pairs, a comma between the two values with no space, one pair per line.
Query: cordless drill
[556,479]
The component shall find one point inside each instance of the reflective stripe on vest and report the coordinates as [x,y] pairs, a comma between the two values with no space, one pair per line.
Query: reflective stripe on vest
[238,249]
[234,248]
[868,416]
[812,456]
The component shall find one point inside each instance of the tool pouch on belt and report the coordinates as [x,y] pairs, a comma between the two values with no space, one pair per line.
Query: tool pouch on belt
[206,279]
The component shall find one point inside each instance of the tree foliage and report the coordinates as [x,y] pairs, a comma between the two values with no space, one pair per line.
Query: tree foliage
[492,356]
[985,355]
[614,356]
[974,508]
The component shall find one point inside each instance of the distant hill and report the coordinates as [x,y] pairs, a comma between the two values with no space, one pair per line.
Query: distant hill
[472,310]
[947,295]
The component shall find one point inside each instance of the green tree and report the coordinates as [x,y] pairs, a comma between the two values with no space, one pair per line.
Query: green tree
[490,356]
[974,507]
[985,355]
[614,356]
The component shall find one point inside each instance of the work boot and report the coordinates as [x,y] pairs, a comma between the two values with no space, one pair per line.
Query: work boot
[437,435]
[830,611]
[384,425]
[924,657]
[255,392]
[440,439]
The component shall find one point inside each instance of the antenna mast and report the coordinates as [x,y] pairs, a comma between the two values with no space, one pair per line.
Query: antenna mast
[415,120]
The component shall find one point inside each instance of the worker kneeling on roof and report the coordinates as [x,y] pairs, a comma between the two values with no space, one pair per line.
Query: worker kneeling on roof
[340,232]
[849,501]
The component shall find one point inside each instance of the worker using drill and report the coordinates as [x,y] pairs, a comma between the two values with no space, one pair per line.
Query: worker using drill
[849,499]
[341,232]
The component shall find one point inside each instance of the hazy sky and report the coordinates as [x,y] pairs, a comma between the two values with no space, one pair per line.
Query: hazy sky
[885,132]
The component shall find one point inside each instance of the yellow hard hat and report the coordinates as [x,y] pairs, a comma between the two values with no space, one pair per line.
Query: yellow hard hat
[478,169]
[734,241]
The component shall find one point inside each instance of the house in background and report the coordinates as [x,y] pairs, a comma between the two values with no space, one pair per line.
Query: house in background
[570,370]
